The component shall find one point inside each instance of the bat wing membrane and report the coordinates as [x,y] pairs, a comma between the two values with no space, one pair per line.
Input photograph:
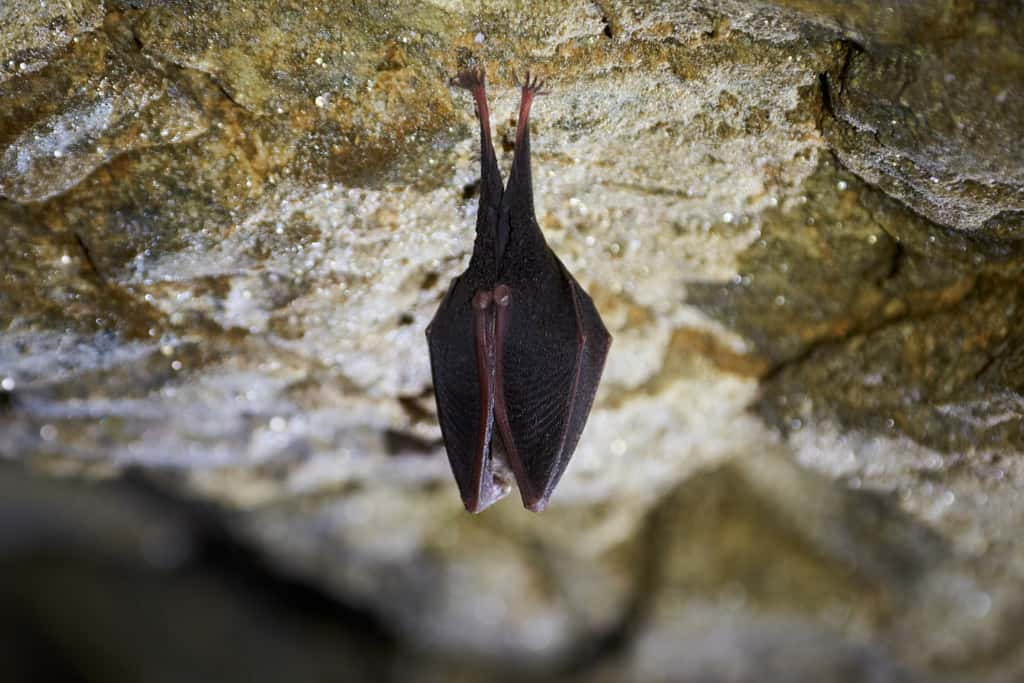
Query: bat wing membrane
[595,350]
[464,401]
[551,358]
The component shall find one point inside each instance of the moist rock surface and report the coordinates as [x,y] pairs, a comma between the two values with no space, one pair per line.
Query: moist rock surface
[224,227]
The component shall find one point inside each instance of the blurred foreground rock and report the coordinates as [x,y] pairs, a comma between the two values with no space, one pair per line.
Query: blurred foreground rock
[123,583]
[225,226]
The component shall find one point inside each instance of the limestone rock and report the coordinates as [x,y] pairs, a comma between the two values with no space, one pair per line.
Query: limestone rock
[224,227]
[35,30]
[928,106]
[95,101]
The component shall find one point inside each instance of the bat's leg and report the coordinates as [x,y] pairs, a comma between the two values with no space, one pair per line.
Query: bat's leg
[519,193]
[531,499]
[473,80]
[529,90]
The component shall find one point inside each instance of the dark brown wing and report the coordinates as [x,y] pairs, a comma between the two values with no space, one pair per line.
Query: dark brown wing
[550,341]
[465,396]
[597,342]
[551,353]
[464,391]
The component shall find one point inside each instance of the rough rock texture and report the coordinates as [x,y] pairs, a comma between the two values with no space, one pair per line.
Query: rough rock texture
[928,106]
[35,31]
[100,100]
[224,227]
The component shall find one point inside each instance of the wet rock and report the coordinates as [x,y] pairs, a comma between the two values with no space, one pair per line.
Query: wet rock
[778,539]
[887,320]
[93,102]
[757,555]
[910,23]
[141,205]
[35,30]
[240,306]
[934,121]
[950,379]
[361,94]
[239,159]
[51,283]
[252,51]
[817,270]
[115,554]
[937,136]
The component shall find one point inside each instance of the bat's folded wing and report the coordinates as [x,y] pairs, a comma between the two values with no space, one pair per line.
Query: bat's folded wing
[464,400]
[552,354]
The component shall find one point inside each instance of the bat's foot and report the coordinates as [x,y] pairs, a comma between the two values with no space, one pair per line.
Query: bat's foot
[470,79]
[473,81]
[532,86]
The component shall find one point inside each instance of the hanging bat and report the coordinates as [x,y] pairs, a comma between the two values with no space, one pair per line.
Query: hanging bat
[516,346]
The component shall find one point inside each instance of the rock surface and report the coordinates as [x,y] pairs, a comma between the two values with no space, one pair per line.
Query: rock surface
[935,122]
[224,227]
[35,31]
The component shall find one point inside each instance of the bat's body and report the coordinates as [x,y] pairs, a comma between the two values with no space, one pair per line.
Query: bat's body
[516,347]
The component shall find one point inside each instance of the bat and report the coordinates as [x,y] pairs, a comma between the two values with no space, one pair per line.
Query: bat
[517,346]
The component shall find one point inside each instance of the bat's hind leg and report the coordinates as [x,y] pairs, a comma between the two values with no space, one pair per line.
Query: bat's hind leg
[474,80]
[530,87]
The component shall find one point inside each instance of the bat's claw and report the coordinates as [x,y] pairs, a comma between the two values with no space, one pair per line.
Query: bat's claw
[470,79]
[532,85]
